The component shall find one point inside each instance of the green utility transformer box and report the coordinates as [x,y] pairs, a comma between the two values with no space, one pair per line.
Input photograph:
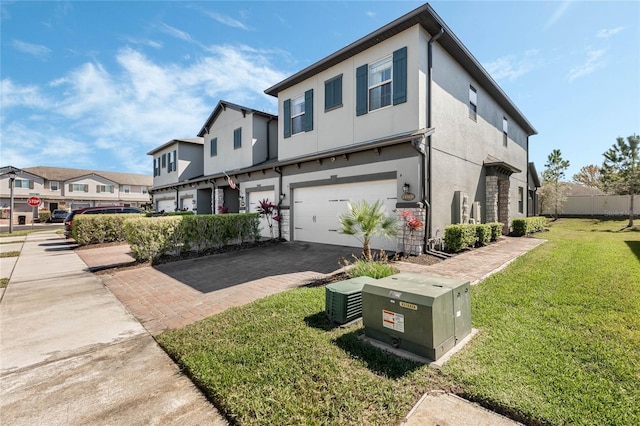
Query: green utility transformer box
[343,300]
[422,314]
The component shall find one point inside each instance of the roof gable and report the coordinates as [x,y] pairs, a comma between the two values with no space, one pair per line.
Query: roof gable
[221,107]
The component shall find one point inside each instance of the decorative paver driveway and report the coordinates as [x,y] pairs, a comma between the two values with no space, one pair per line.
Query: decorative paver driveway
[173,295]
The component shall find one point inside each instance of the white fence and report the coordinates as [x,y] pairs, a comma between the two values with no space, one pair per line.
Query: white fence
[597,205]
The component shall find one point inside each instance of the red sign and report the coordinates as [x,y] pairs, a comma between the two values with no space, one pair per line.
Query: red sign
[34,201]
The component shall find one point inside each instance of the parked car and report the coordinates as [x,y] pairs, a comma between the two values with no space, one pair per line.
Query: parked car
[58,216]
[68,221]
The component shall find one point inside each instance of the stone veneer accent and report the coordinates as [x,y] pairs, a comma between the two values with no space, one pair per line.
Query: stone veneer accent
[491,194]
[413,246]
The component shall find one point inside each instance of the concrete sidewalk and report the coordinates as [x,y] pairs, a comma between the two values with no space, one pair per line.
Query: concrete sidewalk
[72,355]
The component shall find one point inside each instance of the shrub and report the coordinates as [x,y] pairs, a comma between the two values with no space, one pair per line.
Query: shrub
[371,268]
[99,228]
[496,230]
[527,225]
[483,234]
[151,238]
[460,236]
[44,216]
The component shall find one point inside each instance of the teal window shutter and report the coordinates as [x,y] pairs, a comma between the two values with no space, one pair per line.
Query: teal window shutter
[307,120]
[333,93]
[214,147]
[237,138]
[175,160]
[362,87]
[400,76]
[287,118]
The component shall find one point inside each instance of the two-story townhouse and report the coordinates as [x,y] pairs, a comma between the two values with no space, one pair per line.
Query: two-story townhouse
[237,138]
[175,164]
[405,115]
[70,189]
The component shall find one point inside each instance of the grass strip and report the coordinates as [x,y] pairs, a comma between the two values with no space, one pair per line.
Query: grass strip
[559,344]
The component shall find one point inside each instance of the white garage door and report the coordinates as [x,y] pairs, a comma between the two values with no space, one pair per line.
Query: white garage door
[316,211]
[166,205]
[253,202]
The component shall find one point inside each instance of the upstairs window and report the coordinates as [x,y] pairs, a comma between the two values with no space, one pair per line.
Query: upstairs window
[144,190]
[213,149]
[473,103]
[333,93]
[172,163]
[105,188]
[237,138]
[156,167]
[505,131]
[54,186]
[298,114]
[23,183]
[382,83]
[126,189]
[164,161]
[78,187]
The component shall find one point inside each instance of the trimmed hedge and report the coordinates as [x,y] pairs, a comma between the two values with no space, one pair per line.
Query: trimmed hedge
[44,215]
[465,235]
[99,228]
[151,238]
[527,225]
[483,234]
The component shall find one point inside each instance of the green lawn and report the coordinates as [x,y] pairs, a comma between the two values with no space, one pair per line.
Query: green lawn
[559,344]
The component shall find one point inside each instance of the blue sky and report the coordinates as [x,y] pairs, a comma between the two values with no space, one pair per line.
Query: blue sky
[96,85]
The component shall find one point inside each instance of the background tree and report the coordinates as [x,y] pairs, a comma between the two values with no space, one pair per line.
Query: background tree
[554,191]
[621,169]
[364,220]
[589,176]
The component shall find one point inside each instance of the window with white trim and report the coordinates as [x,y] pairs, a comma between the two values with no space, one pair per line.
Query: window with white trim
[21,183]
[473,103]
[54,186]
[380,81]
[297,114]
[105,188]
[126,189]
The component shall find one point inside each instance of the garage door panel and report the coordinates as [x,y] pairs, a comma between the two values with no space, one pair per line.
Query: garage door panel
[316,211]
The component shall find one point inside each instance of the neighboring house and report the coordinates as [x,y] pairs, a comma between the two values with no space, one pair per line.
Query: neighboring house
[70,189]
[533,183]
[175,164]
[405,115]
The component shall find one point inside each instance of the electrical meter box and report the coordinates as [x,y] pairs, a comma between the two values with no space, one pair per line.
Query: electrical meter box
[461,296]
[416,313]
[343,300]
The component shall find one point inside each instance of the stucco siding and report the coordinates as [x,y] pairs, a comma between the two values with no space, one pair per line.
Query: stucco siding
[461,144]
[341,127]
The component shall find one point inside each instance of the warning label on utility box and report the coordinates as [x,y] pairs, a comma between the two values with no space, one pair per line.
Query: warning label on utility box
[393,320]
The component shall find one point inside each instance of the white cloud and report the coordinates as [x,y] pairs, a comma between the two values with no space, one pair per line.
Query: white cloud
[511,67]
[37,50]
[144,42]
[174,32]
[370,14]
[14,95]
[606,33]
[558,13]
[226,20]
[594,61]
[125,111]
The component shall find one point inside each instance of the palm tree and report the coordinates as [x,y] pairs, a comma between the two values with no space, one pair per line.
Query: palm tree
[364,221]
